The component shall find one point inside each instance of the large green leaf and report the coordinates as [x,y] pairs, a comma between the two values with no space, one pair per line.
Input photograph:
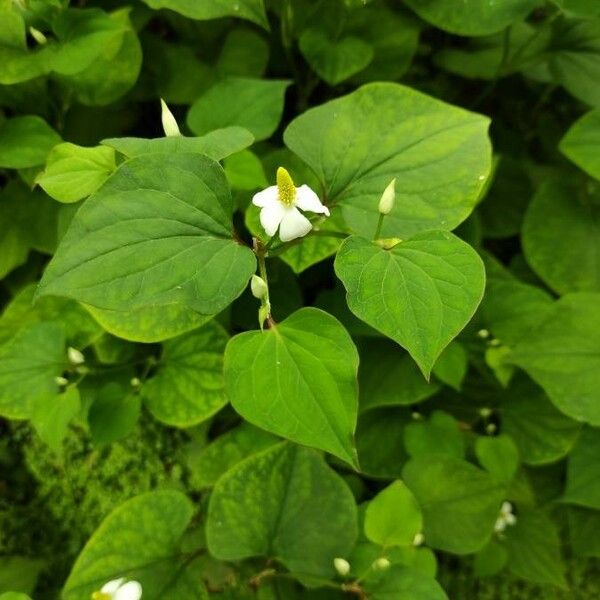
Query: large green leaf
[472,17]
[561,236]
[217,144]
[158,232]
[403,583]
[252,10]
[140,540]
[562,354]
[460,502]
[583,471]
[74,172]
[188,386]
[439,434]
[25,142]
[440,156]
[298,379]
[256,104]
[580,144]
[285,503]
[420,293]
[29,364]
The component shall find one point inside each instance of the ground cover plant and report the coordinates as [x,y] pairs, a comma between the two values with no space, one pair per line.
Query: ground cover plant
[299,299]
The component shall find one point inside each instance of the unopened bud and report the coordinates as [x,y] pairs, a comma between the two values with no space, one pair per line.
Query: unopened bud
[259,287]
[75,356]
[135,382]
[62,381]
[483,334]
[169,123]
[38,36]
[418,539]
[485,412]
[342,566]
[490,428]
[417,416]
[381,564]
[388,198]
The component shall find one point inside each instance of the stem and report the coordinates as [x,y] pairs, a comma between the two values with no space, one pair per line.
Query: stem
[379,225]
[264,313]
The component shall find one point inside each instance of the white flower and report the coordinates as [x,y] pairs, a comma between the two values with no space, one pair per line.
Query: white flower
[505,518]
[169,123]
[279,206]
[342,566]
[75,356]
[117,589]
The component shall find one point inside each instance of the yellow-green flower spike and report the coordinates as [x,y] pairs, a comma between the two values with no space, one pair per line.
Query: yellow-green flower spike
[285,187]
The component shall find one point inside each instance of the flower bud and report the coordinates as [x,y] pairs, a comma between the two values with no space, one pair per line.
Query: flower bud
[381,564]
[38,36]
[490,428]
[169,123]
[485,412]
[62,381]
[258,286]
[75,356]
[388,198]
[418,539]
[342,566]
[135,382]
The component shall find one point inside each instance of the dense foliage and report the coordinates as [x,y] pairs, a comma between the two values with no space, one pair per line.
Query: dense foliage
[299,299]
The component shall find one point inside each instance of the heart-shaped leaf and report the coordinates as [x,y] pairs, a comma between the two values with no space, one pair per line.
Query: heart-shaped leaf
[420,293]
[298,380]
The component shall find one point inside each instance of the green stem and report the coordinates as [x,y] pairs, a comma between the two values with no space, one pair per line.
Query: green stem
[379,226]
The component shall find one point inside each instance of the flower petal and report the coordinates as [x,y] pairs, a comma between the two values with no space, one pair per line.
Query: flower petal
[132,590]
[266,196]
[306,199]
[112,586]
[293,225]
[270,217]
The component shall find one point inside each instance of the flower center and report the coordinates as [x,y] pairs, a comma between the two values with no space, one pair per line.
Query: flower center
[101,596]
[285,187]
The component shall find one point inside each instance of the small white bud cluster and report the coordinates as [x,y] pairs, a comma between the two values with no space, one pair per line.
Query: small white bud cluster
[505,518]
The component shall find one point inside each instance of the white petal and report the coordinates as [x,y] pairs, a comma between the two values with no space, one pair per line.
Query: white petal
[306,199]
[270,217]
[112,586]
[266,196]
[132,590]
[293,225]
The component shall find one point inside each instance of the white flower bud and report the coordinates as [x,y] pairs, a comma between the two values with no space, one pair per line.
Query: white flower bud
[485,412]
[418,539]
[483,334]
[388,198]
[490,428]
[75,356]
[342,566]
[259,287]
[62,381]
[135,382]
[381,564]
[38,36]
[169,123]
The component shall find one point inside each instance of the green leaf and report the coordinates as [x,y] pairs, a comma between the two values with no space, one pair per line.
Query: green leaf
[583,471]
[451,367]
[460,503]
[29,364]
[542,433]
[188,386]
[403,583]
[181,249]
[25,142]
[52,414]
[420,293]
[140,540]
[491,559]
[245,53]
[298,380]
[19,573]
[580,144]
[225,452]
[472,17]
[533,547]
[440,434]
[440,156]
[583,531]
[499,456]
[393,517]
[334,60]
[561,236]
[389,377]
[244,171]
[216,144]
[252,10]
[562,354]
[74,172]
[256,104]
[261,505]
[149,323]
[114,413]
